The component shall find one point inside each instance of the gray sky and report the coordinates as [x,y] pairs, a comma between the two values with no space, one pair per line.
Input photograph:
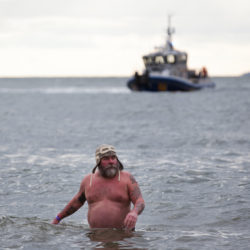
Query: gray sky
[109,37]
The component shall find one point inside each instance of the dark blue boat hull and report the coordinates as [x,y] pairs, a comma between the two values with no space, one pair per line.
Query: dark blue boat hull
[167,83]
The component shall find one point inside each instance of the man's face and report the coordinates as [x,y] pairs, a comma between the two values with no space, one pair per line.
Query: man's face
[108,166]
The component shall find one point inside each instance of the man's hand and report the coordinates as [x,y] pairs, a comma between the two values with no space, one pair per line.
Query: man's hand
[55,221]
[130,220]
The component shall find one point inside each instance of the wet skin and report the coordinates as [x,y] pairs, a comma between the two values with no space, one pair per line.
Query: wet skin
[108,199]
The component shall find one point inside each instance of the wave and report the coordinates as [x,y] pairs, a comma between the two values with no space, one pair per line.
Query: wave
[65,90]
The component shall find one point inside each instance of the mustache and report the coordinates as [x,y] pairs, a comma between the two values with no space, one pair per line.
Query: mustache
[112,166]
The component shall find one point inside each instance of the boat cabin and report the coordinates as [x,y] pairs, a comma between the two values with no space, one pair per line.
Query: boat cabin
[174,62]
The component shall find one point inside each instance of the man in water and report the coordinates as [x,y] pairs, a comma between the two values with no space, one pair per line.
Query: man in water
[109,193]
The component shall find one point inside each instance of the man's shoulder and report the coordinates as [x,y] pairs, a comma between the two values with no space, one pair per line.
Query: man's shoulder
[126,175]
[86,179]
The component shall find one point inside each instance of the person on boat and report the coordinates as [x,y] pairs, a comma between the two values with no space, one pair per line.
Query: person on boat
[109,193]
[137,78]
[203,72]
[145,78]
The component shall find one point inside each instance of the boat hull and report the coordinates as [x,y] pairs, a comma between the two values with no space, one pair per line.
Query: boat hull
[167,83]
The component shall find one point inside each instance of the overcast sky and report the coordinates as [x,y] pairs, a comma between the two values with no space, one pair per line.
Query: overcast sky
[109,37]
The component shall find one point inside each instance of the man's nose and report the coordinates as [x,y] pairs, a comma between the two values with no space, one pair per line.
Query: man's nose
[111,159]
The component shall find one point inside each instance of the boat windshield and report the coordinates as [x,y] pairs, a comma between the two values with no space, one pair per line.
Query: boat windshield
[182,58]
[170,59]
[159,59]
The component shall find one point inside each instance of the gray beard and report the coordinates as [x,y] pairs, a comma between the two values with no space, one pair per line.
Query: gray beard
[109,172]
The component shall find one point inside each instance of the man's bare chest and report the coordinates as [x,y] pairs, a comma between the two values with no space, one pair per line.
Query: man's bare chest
[113,191]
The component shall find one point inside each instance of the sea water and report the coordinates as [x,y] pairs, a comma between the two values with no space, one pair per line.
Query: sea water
[189,152]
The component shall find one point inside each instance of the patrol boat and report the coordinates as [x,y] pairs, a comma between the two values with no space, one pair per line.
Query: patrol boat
[166,70]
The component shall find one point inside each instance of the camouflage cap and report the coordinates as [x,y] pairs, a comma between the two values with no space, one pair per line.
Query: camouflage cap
[102,151]
[105,150]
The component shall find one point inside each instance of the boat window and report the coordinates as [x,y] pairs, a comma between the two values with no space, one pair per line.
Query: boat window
[182,58]
[159,60]
[147,60]
[170,59]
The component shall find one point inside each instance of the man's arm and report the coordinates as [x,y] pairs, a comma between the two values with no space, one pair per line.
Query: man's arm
[77,201]
[139,204]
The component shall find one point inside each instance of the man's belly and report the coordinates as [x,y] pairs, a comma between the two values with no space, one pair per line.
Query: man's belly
[107,214]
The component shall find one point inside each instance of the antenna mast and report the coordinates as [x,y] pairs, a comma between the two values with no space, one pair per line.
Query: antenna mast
[170,31]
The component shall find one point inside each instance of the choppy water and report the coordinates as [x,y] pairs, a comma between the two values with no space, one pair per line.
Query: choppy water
[190,153]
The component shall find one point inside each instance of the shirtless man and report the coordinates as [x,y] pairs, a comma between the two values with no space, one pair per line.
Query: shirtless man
[109,193]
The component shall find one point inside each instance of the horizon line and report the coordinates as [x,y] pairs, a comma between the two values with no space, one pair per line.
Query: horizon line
[91,76]
[61,76]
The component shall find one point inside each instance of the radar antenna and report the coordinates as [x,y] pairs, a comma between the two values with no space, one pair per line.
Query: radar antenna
[170,31]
